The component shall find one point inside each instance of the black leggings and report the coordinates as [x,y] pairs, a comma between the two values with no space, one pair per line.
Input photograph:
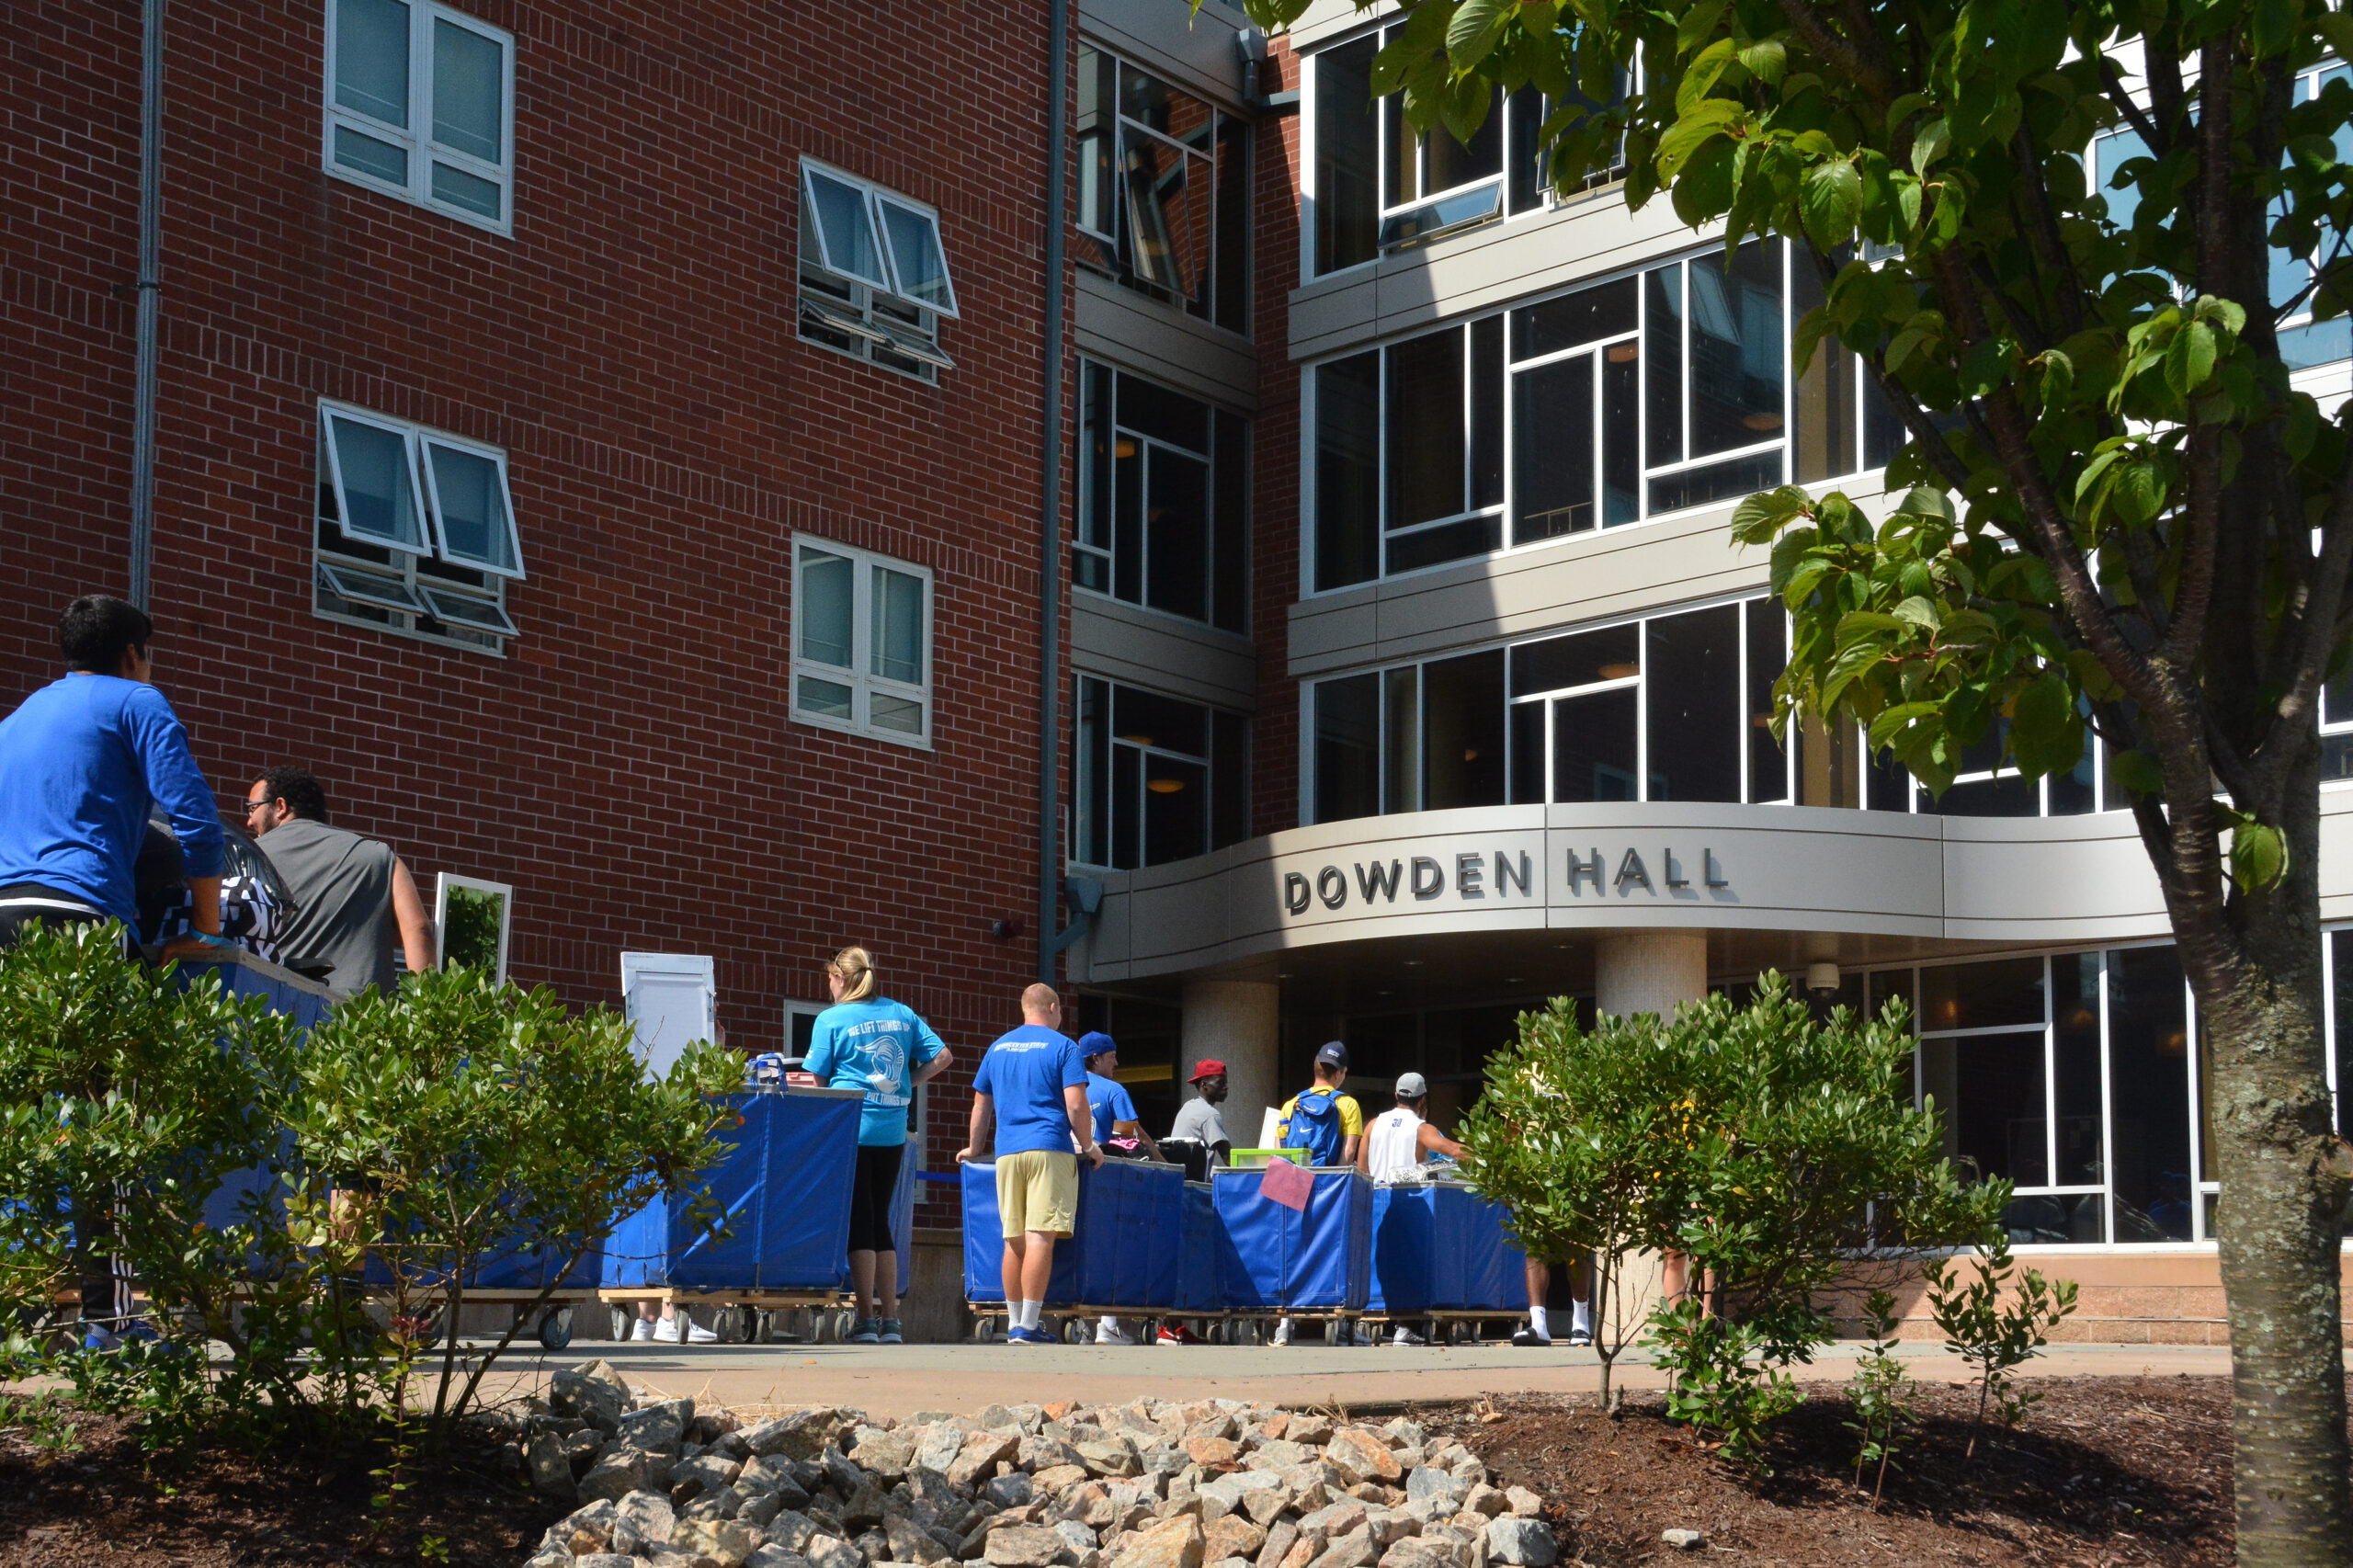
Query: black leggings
[869,1198]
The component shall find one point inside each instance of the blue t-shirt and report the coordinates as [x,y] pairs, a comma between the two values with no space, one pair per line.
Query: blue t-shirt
[1025,1073]
[874,1045]
[1109,1100]
[81,761]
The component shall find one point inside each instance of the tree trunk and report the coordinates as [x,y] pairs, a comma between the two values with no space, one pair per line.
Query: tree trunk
[2254,967]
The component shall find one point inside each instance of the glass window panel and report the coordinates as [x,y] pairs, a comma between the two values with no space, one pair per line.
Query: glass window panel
[1148,100]
[1176,809]
[897,626]
[1094,457]
[827,607]
[1883,431]
[464,610]
[1401,154]
[1663,373]
[2051,1219]
[1094,845]
[1166,242]
[1165,416]
[1434,220]
[2072,793]
[1347,472]
[1593,746]
[2148,1049]
[456,188]
[2074,1016]
[1096,129]
[1737,339]
[1827,424]
[1232,265]
[1451,541]
[2005,796]
[1621,463]
[1528,753]
[1712,483]
[1348,213]
[1463,701]
[1229,780]
[904,714]
[1447,162]
[1147,719]
[1982,995]
[826,699]
[1581,658]
[1605,310]
[1425,428]
[845,229]
[1385,1048]
[1694,705]
[1768,768]
[1176,534]
[2336,762]
[469,92]
[1995,1109]
[377,489]
[1551,433]
[1348,748]
[1488,412]
[1523,150]
[371,59]
[371,156]
[1401,740]
[471,504]
[1129,461]
[1230,524]
[917,257]
[1127,807]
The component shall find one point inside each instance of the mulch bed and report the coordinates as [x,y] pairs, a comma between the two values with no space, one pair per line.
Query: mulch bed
[102,1506]
[2108,1471]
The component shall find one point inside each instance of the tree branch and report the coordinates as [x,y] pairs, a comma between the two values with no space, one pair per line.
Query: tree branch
[2043,231]
[1847,59]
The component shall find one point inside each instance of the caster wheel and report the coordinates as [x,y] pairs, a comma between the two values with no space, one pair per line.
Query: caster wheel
[555,1329]
[624,1322]
[986,1331]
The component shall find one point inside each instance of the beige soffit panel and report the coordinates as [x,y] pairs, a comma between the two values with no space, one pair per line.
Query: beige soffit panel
[1141,647]
[1137,332]
[1327,19]
[2050,880]
[1167,38]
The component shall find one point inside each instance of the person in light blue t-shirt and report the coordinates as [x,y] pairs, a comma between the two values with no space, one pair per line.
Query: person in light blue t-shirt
[1114,1108]
[868,1042]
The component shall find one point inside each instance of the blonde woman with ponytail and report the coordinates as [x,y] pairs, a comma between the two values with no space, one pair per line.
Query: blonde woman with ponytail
[868,1042]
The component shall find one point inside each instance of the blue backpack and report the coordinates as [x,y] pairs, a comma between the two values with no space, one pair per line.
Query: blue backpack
[1314,1126]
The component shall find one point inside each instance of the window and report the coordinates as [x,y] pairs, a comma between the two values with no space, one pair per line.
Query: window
[1159,778]
[1164,189]
[1379,187]
[1151,1040]
[416,530]
[420,103]
[473,920]
[2303,340]
[1163,499]
[874,280]
[862,642]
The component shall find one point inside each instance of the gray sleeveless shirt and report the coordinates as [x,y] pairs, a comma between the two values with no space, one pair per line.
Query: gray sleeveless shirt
[342,885]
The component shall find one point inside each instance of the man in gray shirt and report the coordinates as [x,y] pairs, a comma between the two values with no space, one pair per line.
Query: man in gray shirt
[1200,1120]
[350,894]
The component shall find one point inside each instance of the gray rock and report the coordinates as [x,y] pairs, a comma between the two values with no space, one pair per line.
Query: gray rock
[864,1507]
[843,1474]
[658,1428]
[832,1552]
[758,1508]
[582,1530]
[1485,1499]
[796,1434]
[1524,1503]
[1462,1548]
[1024,1546]
[552,1560]
[722,1541]
[980,1456]
[791,1530]
[1402,1432]
[997,1419]
[1423,1483]
[598,1399]
[1413,1553]
[551,1471]
[1281,1536]
[1042,1452]
[873,1546]
[1080,1538]
[910,1542]
[774,1556]
[938,1447]
[1009,1491]
[1430,1510]
[705,1472]
[1279,1453]
[605,1560]
[1354,1550]
[885,1454]
[1683,1540]
[1525,1543]
[620,1470]
[643,1521]
[581,1448]
[1114,1457]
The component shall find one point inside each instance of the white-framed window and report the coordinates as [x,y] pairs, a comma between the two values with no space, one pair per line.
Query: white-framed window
[472,920]
[874,280]
[420,104]
[1164,189]
[1159,778]
[1164,499]
[862,642]
[416,530]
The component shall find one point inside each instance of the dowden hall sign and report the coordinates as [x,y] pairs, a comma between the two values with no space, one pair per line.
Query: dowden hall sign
[1511,872]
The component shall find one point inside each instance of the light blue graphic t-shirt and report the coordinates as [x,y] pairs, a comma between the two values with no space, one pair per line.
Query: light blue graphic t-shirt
[1109,1100]
[874,1045]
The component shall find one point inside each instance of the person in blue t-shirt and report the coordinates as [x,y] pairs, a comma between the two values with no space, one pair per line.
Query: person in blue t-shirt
[1107,1099]
[82,760]
[1031,1086]
[869,1042]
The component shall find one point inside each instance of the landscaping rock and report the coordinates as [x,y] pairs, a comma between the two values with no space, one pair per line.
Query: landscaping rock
[1213,1453]
[1231,1536]
[551,1471]
[1360,1457]
[1023,1546]
[643,1522]
[774,1556]
[1010,1491]
[1172,1543]
[658,1428]
[1281,1536]
[1523,1502]
[1114,1458]
[724,1542]
[619,1471]
[910,1542]
[832,1552]
[1683,1540]
[980,1456]
[1411,1552]
[1424,1482]
[583,1395]
[1459,1547]
[884,1454]
[791,1530]
[1486,1500]
[604,1559]
[1077,1537]
[704,1473]
[1281,1454]
[796,1435]
[1312,1430]
[1525,1543]
[939,1445]
[1353,1550]
[1058,1479]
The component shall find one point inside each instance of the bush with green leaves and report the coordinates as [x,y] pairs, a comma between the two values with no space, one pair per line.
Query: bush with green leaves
[1995,1336]
[1882,1392]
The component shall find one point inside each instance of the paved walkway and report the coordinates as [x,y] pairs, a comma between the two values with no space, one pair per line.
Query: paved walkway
[899,1380]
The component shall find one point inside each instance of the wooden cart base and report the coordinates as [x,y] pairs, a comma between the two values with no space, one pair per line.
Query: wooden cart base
[1218,1327]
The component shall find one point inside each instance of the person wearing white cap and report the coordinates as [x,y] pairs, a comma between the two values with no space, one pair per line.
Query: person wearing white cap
[1396,1146]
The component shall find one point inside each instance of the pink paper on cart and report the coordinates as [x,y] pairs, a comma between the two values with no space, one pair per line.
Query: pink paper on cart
[1286,1184]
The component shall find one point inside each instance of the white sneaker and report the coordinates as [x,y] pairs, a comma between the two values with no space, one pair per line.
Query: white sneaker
[1282,1331]
[1109,1332]
[1406,1337]
[696,1333]
[644,1329]
[667,1331]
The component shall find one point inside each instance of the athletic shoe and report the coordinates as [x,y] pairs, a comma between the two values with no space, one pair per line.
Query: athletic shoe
[869,1332]
[1113,1333]
[1029,1336]
[669,1331]
[1525,1337]
[1282,1331]
[1580,1338]
[97,1337]
[1176,1334]
[1406,1337]
[891,1335]
[644,1330]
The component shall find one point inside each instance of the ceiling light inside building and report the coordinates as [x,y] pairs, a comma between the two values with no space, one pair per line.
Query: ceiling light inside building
[1623,353]
[1163,786]
[1762,421]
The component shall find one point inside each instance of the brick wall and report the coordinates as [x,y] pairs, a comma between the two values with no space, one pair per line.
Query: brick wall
[629,767]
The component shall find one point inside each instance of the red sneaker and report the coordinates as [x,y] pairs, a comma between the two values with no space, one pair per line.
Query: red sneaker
[1176,1334]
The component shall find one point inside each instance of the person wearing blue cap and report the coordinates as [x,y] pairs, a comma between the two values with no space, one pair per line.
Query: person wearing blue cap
[1116,1123]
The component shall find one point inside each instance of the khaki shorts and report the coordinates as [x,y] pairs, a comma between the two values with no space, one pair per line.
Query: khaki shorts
[1037,1190]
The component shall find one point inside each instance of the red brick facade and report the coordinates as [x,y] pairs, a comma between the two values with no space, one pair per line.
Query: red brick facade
[630,766]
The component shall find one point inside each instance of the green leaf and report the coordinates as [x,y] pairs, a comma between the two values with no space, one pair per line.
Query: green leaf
[1934,140]
[1830,200]
[1472,33]
[2046,733]
[1984,365]
[2137,771]
[2259,852]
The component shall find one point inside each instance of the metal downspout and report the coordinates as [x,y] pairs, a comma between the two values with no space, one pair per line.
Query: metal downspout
[150,284]
[1050,607]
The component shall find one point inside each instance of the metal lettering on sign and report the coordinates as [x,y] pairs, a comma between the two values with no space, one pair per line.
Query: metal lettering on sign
[1382,885]
[1295,892]
[1332,887]
[1429,876]
[1580,869]
[1499,873]
[1468,872]
[1632,869]
[1506,874]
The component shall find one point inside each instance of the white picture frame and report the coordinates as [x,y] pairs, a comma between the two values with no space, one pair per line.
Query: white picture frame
[465,888]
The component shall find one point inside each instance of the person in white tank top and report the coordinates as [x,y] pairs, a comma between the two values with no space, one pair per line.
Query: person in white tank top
[1398,1141]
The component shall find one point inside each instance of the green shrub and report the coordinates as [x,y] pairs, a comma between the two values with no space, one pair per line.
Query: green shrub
[1882,1392]
[1994,1337]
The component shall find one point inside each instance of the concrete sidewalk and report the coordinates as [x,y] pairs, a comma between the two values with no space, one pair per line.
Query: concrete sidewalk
[899,1380]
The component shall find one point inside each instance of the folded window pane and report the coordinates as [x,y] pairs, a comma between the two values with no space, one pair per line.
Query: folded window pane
[371,59]
[464,612]
[469,92]
[845,239]
[375,488]
[369,588]
[916,256]
[470,501]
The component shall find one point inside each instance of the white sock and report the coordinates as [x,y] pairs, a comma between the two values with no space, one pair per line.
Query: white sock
[1536,1321]
[1581,1317]
[1110,1323]
[1030,1312]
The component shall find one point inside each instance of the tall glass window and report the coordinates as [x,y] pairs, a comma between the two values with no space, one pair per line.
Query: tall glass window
[1163,187]
[1159,778]
[1163,497]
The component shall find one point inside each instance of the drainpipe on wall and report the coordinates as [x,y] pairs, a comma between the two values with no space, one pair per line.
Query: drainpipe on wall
[1050,605]
[150,284]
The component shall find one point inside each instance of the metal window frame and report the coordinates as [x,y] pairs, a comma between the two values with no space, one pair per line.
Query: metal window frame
[416,139]
[332,450]
[426,440]
[859,676]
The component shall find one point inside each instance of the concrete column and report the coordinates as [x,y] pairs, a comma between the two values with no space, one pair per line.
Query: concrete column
[1239,1022]
[1650,971]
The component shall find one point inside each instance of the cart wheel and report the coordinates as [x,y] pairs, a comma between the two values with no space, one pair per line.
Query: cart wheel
[555,1329]
[983,1330]
[623,1319]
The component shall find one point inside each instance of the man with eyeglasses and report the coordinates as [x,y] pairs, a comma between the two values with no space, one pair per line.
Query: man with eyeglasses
[351,893]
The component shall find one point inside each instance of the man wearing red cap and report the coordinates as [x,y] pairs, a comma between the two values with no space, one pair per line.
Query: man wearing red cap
[1198,1120]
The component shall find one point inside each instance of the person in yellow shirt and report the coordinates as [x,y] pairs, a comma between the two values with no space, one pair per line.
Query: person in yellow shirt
[1328,1125]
